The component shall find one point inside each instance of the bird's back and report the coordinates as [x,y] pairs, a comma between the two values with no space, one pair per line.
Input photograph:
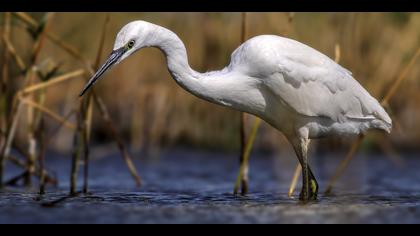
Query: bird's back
[308,82]
[262,54]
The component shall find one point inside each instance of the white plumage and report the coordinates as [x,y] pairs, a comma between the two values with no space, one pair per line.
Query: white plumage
[293,87]
[308,84]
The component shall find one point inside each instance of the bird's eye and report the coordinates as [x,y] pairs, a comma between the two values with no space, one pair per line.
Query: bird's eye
[130,44]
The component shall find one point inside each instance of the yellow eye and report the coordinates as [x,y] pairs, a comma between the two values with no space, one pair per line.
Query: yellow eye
[130,44]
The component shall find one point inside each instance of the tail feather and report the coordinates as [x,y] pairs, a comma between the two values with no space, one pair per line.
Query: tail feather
[385,121]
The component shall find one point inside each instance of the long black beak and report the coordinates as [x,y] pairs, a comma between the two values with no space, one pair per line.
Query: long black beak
[112,59]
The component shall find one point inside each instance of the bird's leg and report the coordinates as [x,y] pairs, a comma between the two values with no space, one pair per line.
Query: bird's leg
[309,183]
[313,184]
[304,194]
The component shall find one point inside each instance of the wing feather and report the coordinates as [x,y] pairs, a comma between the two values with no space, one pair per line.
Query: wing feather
[324,90]
[308,81]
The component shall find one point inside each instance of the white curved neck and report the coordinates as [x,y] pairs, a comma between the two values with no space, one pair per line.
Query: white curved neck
[174,49]
[227,87]
[177,60]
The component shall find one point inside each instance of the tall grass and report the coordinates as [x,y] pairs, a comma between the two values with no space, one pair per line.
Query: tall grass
[44,63]
[248,143]
[32,95]
[384,102]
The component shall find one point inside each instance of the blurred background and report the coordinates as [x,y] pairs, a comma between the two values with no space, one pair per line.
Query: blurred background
[152,112]
[187,149]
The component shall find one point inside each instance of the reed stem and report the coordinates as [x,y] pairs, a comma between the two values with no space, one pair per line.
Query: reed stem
[88,112]
[390,93]
[41,156]
[243,180]
[77,151]
[113,130]
[5,152]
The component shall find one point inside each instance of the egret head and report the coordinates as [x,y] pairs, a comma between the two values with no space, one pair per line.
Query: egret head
[132,37]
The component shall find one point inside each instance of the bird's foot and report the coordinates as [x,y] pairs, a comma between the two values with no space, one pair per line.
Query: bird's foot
[307,197]
[312,194]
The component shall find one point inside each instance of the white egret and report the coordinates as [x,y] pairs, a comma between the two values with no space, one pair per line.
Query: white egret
[298,90]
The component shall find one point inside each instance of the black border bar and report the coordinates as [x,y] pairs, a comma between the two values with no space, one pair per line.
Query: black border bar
[209,5]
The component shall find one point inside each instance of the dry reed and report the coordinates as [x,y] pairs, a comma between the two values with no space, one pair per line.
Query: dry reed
[15,66]
[384,102]
[33,96]
[247,144]
[242,180]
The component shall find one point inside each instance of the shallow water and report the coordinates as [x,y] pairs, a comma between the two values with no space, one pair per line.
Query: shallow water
[186,186]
